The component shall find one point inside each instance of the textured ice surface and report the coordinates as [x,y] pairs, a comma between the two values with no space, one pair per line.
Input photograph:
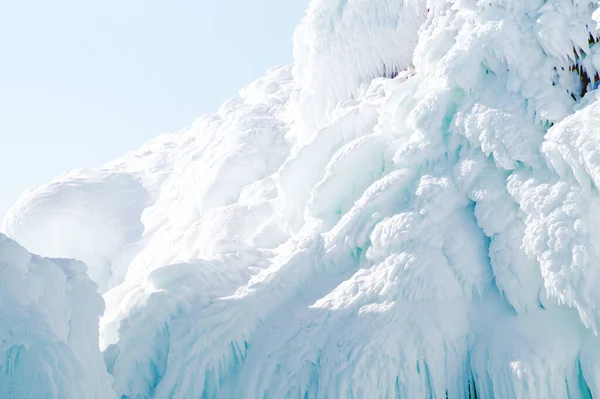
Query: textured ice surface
[409,211]
[49,311]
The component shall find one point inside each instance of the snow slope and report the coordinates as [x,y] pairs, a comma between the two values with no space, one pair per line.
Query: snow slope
[408,211]
[48,336]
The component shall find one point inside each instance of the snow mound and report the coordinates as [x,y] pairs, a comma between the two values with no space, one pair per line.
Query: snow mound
[408,211]
[49,332]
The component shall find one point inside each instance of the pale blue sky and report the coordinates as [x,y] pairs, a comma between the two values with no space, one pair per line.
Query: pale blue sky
[84,81]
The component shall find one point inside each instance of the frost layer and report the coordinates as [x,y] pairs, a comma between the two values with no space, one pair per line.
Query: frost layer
[409,211]
[49,332]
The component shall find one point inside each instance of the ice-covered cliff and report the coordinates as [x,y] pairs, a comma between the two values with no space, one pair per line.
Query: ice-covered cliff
[409,211]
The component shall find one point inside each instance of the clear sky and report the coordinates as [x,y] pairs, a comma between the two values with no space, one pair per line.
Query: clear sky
[84,81]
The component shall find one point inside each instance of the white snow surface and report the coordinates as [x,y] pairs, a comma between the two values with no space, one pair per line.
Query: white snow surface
[410,211]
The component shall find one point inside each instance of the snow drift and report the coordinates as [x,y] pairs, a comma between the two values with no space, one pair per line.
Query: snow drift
[409,211]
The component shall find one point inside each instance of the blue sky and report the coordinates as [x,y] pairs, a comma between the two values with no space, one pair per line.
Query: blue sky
[84,81]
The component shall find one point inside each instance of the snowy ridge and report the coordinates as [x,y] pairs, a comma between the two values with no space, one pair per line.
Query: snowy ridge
[408,211]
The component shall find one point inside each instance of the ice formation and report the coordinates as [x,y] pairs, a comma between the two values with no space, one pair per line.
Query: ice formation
[407,212]
[49,332]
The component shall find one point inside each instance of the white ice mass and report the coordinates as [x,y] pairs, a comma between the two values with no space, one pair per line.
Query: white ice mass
[49,312]
[411,210]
